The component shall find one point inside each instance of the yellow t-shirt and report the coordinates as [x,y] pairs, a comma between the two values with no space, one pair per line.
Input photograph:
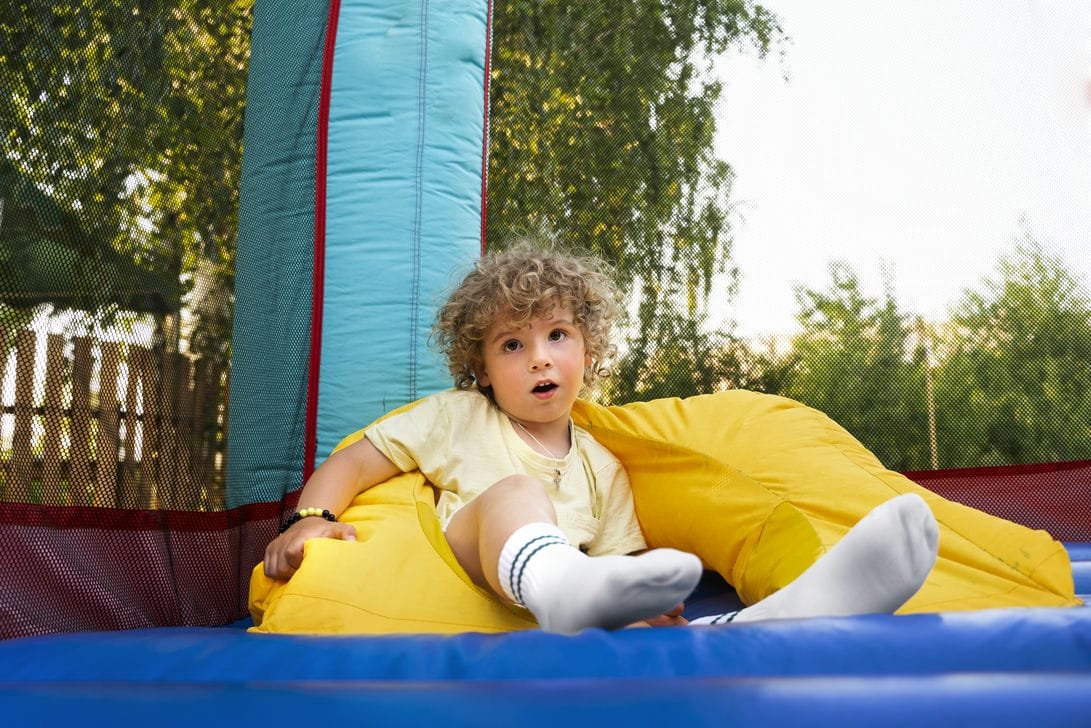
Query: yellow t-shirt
[464,444]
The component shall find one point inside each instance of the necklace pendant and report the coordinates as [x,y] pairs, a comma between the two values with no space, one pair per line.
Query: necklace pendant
[557,478]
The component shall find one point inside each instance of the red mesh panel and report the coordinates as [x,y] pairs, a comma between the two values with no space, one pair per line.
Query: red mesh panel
[72,569]
[1054,497]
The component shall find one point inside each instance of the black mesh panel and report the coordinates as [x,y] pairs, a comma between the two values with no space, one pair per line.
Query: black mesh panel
[119,183]
[602,127]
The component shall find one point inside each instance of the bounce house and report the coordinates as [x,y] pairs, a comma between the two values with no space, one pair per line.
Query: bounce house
[363,195]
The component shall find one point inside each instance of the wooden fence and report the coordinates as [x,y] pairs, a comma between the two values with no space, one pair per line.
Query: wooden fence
[115,425]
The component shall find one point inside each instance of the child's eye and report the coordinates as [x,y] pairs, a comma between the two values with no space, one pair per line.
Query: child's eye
[510,345]
[557,334]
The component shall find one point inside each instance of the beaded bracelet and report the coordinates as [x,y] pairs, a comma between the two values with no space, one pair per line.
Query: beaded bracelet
[305,513]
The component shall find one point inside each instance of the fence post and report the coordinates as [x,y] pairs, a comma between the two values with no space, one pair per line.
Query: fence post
[80,485]
[106,444]
[53,408]
[185,434]
[25,345]
[198,413]
[173,466]
[151,456]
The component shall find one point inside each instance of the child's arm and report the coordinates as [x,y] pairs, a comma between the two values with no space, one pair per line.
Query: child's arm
[343,475]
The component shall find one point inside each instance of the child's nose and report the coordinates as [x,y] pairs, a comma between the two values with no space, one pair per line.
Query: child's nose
[539,358]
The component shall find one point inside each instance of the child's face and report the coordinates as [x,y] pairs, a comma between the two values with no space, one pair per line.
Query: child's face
[535,368]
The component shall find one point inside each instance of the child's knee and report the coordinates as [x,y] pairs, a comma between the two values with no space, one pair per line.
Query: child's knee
[520,498]
[523,485]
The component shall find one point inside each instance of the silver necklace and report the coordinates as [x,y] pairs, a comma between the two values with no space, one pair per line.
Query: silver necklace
[557,472]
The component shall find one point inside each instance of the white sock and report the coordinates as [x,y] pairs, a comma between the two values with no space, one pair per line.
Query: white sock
[715,618]
[875,568]
[567,590]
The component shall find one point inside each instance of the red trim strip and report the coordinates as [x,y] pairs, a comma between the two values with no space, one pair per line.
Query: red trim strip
[485,139]
[122,519]
[310,435]
[997,471]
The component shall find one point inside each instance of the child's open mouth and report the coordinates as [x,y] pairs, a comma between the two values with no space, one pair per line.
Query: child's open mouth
[544,388]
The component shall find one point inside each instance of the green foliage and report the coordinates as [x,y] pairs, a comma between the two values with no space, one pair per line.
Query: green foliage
[129,115]
[127,120]
[696,362]
[687,360]
[602,124]
[1014,382]
[858,363]
[1009,375]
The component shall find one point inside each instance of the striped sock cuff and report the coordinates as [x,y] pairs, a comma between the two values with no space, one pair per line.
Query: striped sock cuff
[715,619]
[724,618]
[519,549]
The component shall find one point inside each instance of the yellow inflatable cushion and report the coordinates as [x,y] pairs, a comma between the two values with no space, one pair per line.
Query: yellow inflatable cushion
[756,485]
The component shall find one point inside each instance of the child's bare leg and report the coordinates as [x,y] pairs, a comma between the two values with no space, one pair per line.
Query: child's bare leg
[875,568]
[507,539]
[478,531]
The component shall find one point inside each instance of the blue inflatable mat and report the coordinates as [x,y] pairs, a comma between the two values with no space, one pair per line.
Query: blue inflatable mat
[996,667]
[996,700]
[1002,667]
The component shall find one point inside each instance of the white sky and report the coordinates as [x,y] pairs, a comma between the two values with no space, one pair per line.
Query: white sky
[918,134]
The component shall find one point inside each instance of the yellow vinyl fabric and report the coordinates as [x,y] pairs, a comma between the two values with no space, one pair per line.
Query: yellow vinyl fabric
[756,485]
[760,486]
[398,576]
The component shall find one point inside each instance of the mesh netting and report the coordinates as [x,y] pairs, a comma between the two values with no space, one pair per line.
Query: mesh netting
[1053,497]
[118,204]
[119,180]
[602,126]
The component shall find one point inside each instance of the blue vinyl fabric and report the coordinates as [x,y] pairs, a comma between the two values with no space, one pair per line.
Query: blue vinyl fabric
[995,667]
[996,700]
[1002,667]
[405,145]
[403,212]
[1080,556]
[1017,641]
[275,253]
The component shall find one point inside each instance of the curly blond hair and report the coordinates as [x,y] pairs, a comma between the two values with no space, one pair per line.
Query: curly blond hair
[523,283]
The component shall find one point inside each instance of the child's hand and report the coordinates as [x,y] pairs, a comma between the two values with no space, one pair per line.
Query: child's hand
[284,554]
[673,618]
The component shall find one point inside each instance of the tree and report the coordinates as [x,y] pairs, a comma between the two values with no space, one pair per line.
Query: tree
[858,363]
[1014,381]
[680,359]
[129,116]
[696,362]
[602,124]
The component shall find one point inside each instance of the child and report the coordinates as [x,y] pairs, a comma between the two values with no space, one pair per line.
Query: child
[533,507]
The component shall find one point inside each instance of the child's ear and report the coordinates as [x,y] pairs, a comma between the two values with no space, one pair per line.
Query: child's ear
[587,360]
[482,377]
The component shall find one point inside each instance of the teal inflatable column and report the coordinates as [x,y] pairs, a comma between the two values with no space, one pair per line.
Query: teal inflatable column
[406,135]
[361,203]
